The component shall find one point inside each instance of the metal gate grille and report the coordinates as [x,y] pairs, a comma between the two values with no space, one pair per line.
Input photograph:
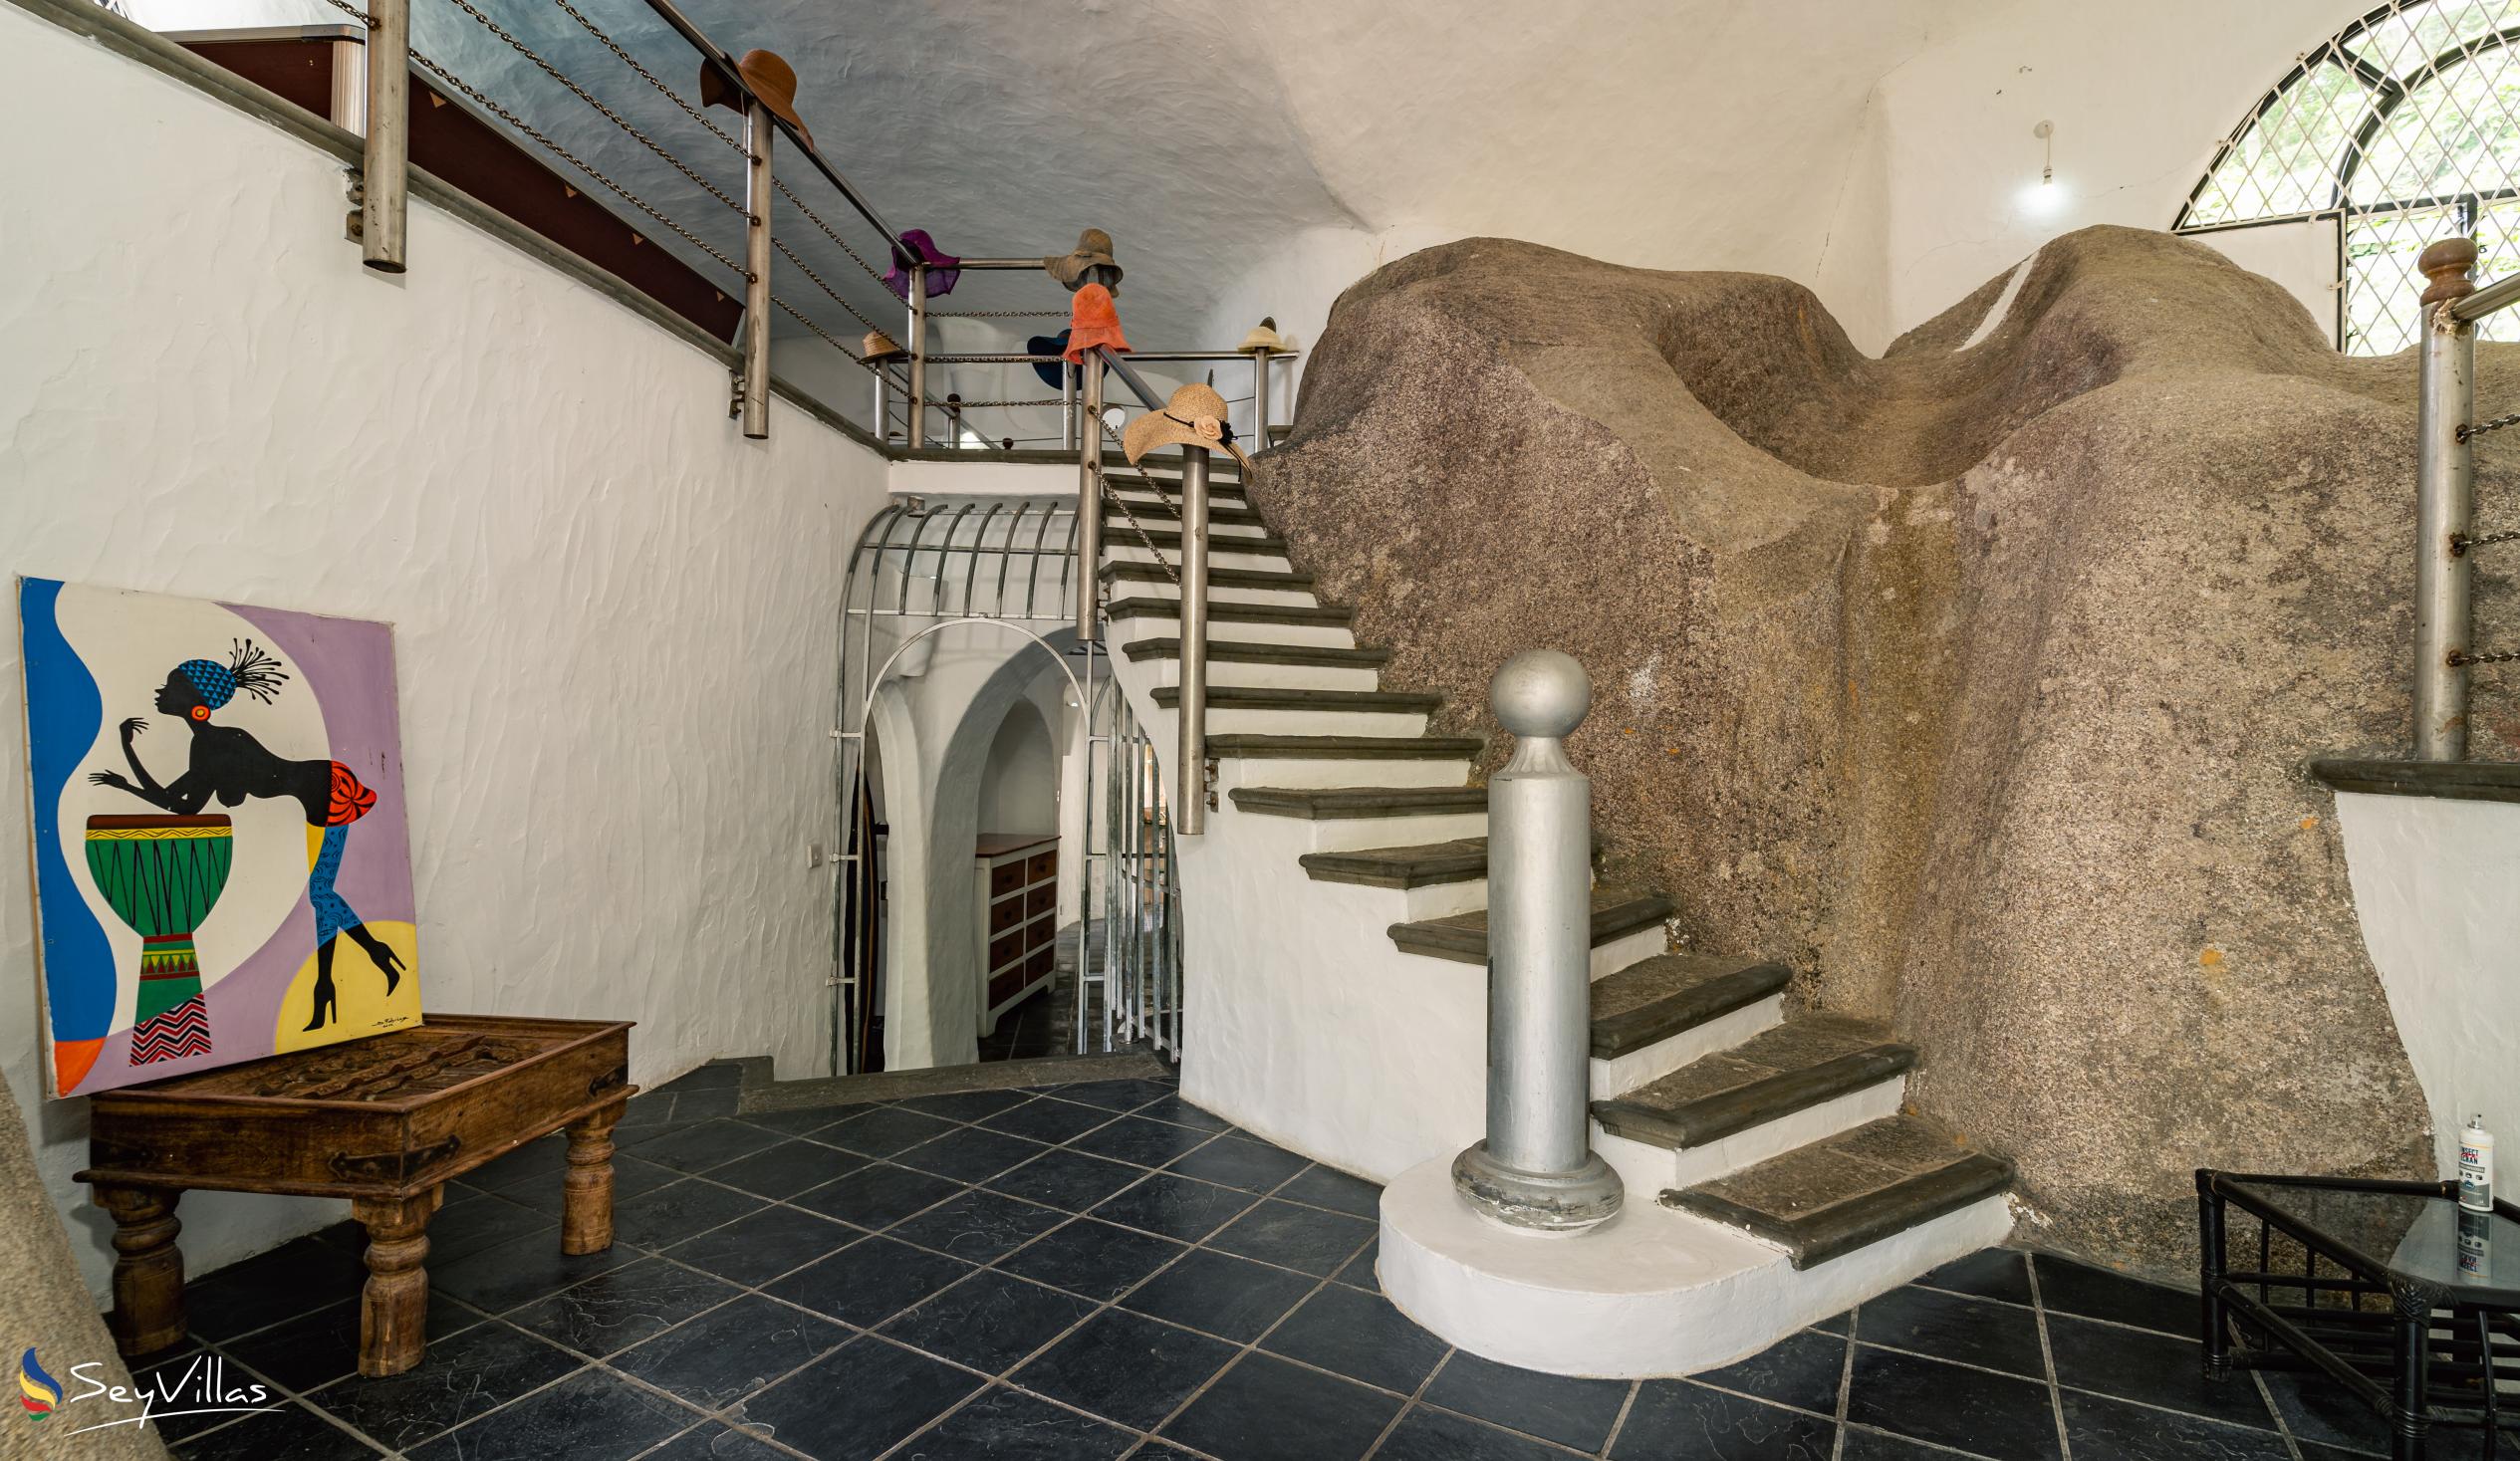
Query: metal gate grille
[1136,976]
[923,566]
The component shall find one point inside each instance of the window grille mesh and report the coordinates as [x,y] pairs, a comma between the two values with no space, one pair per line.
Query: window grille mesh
[2402,130]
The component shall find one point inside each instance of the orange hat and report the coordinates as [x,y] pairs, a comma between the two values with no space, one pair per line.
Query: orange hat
[1094,319]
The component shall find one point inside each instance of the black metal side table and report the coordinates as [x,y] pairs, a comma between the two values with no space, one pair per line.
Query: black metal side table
[2404,1299]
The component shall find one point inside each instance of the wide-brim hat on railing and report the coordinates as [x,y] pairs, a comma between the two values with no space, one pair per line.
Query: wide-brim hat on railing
[1054,376]
[1093,250]
[1093,319]
[878,347]
[766,75]
[1264,336]
[1194,417]
[944,270]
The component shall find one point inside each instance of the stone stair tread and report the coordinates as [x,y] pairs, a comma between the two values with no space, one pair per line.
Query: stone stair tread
[1420,866]
[1344,748]
[1324,803]
[1264,697]
[1235,614]
[1799,1063]
[1458,860]
[1235,651]
[1217,577]
[1656,998]
[1463,936]
[1831,1197]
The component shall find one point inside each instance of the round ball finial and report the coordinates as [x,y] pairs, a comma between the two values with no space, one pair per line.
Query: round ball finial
[1541,692]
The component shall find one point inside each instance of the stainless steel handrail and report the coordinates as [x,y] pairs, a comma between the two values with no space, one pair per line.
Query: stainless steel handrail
[1134,354]
[724,64]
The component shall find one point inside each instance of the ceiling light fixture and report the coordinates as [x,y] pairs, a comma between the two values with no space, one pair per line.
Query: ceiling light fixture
[2045,131]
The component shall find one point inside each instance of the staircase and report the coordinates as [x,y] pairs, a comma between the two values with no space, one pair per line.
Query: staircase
[1336,912]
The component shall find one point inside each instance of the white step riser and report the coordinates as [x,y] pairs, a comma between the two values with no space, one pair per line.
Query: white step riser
[1443,900]
[1148,627]
[1391,905]
[1654,1293]
[1385,724]
[1618,954]
[1638,1067]
[1127,549]
[1140,500]
[1641,1162]
[1258,676]
[1116,526]
[1216,593]
[1276,771]
[1358,834]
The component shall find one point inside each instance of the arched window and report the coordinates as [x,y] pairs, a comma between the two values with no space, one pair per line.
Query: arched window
[2402,130]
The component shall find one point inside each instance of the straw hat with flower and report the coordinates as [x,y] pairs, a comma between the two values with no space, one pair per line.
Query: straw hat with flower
[1194,417]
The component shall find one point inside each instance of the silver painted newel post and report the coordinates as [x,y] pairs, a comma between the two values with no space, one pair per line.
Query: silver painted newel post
[2445,499]
[1189,804]
[1537,1169]
[758,131]
[384,156]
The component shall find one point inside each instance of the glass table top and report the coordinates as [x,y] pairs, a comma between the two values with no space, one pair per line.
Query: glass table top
[2425,1240]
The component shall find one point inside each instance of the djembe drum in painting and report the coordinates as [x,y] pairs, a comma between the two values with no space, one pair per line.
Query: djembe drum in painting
[162,875]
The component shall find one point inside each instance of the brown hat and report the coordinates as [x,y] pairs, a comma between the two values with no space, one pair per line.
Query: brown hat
[878,347]
[767,76]
[1094,247]
[1194,417]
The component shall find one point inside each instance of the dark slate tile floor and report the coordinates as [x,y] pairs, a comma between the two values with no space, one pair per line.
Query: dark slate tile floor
[1104,1271]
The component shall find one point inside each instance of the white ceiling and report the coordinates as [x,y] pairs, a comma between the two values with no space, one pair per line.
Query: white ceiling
[1212,140]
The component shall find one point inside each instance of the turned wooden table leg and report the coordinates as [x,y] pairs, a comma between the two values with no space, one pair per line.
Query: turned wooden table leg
[586,1210]
[148,1267]
[394,1315]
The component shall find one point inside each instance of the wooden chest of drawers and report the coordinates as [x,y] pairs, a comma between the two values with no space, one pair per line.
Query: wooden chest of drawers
[1018,876]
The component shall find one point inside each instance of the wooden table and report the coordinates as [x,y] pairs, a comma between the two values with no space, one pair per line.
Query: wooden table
[383,1122]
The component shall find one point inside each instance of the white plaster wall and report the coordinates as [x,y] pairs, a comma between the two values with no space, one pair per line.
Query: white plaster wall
[1019,787]
[612,613]
[2140,92]
[2433,884]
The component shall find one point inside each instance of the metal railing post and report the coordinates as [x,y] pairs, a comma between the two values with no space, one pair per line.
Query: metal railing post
[384,156]
[2445,493]
[1536,1169]
[1067,406]
[756,400]
[1090,504]
[1260,399]
[1189,803]
[883,401]
[918,356]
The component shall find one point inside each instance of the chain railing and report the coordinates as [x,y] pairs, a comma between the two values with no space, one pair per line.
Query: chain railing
[2446,495]
[900,378]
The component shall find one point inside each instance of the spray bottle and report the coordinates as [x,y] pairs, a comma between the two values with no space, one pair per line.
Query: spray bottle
[2476,1166]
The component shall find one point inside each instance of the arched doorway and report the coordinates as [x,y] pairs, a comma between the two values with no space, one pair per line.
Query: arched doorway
[966,691]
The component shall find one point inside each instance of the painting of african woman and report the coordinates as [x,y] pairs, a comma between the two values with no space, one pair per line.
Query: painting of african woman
[222,851]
